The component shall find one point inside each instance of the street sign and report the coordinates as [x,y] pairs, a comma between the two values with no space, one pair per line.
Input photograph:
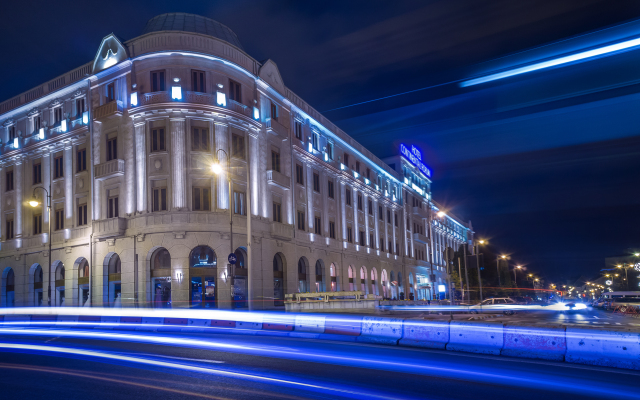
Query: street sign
[232,258]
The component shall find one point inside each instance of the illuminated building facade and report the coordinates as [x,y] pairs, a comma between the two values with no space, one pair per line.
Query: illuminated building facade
[125,146]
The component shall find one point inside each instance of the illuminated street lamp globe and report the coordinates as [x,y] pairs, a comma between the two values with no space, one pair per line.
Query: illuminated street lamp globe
[609,283]
[636,266]
[216,168]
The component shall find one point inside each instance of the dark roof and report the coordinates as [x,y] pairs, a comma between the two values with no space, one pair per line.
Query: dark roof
[191,23]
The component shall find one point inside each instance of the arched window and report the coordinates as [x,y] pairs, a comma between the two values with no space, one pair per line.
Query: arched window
[278,280]
[240,289]
[202,256]
[334,278]
[83,269]
[240,263]
[83,282]
[411,293]
[320,285]
[160,265]
[374,276]
[114,268]
[351,279]
[115,265]
[384,282]
[363,279]
[37,286]
[303,276]
[9,288]
[400,286]
[59,284]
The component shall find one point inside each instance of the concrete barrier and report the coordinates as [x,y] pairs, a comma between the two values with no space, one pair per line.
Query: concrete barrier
[474,337]
[545,343]
[429,334]
[618,348]
[278,322]
[343,325]
[110,322]
[380,330]
[254,324]
[67,320]
[14,318]
[310,323]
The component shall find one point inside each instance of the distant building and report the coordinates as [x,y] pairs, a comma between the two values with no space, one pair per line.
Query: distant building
[125,146]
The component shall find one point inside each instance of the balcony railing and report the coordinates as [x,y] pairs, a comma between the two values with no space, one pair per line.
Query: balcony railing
[280,180]
[238,107]
[155,98]
[420,212]
[109,110]
[109,169]
[418,237]
[111,227]
[276,128]
[282,231]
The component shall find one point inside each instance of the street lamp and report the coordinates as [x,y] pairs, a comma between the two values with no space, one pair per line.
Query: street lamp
[515,277]
[35,203]
[217,169]
[498,268]
[478,243]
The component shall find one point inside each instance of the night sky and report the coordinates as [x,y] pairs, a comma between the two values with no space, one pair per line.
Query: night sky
[558,206]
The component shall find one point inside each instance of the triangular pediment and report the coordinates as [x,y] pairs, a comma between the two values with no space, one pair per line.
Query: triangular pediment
[110,53]
[270,74]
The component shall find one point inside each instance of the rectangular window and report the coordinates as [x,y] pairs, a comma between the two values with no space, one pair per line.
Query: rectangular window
[275,161]
[37,173]
[315,139]
[9,181]
[358,166]
[316,182]
[9,229]
[36,123]
[346,160]
[395,219]
[388,216]
[317,228]
[79,107]
[370,207]
[298,130]
[371,240]
[362,238]
[368,174]
[277,212]
[381,244]
[112,148]
[397,249]
[57,115]
[349,235]
[390,248]
[199,139]
[347,197]
[37,224]
[299,174]
[274,111]
[330,150]
[201,199]
[81,160]
[59,216]
[112,207]
[82,215]
[330,189]
[235,91]
[332,229]
[12,133]
[58,171]
[159,199]
[301,220]
[157,81]
[237,146]
[158,142]
[197,81]
[360,202]
[380,214]
[239,203]
[111,92]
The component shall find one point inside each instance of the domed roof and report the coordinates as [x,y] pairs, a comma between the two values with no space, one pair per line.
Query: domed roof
[191,23]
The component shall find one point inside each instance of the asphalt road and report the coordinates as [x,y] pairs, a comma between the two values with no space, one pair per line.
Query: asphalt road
[45,363]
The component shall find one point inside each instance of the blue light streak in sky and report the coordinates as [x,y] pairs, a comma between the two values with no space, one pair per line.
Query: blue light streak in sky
[582,56]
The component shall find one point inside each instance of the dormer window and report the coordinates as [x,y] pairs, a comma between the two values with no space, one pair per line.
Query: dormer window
[111,92]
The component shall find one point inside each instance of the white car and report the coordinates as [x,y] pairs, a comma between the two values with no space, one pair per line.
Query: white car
[505,305]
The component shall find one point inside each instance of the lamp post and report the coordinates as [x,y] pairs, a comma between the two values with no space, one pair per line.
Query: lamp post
[503,257]
[515,277]
[35,203]
[478,243]
[217,169]
[626,277]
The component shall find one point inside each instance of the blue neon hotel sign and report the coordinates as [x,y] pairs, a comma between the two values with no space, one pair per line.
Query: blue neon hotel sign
[415,157]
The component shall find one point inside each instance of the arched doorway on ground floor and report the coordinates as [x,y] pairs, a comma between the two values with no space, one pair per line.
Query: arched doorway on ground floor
[202,274]
[83,282]
[279,279]
[160,273]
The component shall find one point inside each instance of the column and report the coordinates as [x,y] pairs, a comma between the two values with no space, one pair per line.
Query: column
[308,184]
[343,210]
[365,206]
[376,222]
[46,183]
[96,207]
[324,189]
[178,163]
[18,180]
[254,160]
[68,186]
[130,170]
[222,143]
[141,166]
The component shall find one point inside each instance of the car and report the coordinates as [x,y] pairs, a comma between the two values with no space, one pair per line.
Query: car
[504,304]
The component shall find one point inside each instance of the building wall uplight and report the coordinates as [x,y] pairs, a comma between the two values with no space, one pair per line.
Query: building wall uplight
[85,117]
[256,113]
[221,99]
[63,128]
[15,143]
[134,99]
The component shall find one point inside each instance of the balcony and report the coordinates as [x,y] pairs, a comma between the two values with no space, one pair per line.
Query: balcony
[108,228]
[110,169]
[277,179]
[420,212]
[109,110]
[276,128]
[418,237]
[282,231]
[238,107]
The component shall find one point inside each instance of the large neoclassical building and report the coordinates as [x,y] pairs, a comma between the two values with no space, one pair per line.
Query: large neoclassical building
[120,180]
